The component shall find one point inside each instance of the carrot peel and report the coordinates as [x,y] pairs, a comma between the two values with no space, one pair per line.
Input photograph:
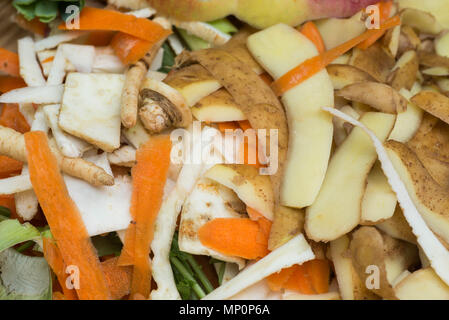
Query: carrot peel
[64,219]
[310,31]
[314,65]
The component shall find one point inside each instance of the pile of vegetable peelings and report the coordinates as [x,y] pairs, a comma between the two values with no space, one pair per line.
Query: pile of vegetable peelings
[92,205]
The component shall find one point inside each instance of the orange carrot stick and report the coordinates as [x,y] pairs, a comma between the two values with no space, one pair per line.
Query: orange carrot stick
[277,281]
[49,59]
[8,83]
[54,260]
[109,20]
[9,167]
[129,48]
[300,281]
[9,62]
[312,33]
[149,176]
[118,278]
[319,273]
[64,219]
[235,237]
[12,118]
[314,65]
[384,12]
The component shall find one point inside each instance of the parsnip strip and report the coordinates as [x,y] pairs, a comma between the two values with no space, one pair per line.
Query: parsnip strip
[53,41]
[15,184]
[30,70]
[37,95]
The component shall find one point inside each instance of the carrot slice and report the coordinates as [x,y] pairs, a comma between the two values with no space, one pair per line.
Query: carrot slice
[239,237]
[118,278]
[9,167]
[300,281]
[8,83]
[149,176]
[312,33]
[109,20]
[12,118]
[319,273]
[54,260]
[129,48]
[314,65]
[9,62]
[384,12]
[277,281]
[264,223]
[63,217]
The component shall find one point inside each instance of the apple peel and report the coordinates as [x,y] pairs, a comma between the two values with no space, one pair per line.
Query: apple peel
[433,248]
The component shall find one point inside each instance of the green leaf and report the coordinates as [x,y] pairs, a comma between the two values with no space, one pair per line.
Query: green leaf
[27,10]
[168,60]
[224,25]
[46,10]
[193,42]
[107,245]
[12,233]
[23,277]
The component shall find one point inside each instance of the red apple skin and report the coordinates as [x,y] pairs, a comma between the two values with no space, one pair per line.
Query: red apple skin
[259,13]
[337,8]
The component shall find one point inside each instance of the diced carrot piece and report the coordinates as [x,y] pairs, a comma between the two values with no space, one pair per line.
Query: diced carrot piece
[300,281]
[9,167]
[8,83]
[235,237]
[129,48]
[319,273]
[277,281]
[9,62]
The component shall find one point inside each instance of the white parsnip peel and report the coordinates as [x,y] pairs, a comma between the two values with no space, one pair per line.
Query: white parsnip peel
[434,250]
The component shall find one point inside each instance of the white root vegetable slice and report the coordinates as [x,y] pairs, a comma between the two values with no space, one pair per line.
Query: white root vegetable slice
[37,95]
[90,108]
[125,156]
[15,184]
[204,31]
[30,70]
[278,49]
[69,145]
[337,208]
[207,201]
[142,13]
[103,209]
[80,56]
[54,41]
[136,135]
[166,224]
[57,70]
[333,295]
[253,189]
[175,44]
[295,251]
[107,63]
[434,250]
[157,62]
[27,110]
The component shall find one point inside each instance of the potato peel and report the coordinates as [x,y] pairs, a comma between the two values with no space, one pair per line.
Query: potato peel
[434,250]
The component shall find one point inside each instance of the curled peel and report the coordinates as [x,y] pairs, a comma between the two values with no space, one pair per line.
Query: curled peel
[434,250]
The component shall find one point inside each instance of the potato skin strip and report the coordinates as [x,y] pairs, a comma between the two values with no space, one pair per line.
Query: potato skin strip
[434,250]
[64,218]
[149,176]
